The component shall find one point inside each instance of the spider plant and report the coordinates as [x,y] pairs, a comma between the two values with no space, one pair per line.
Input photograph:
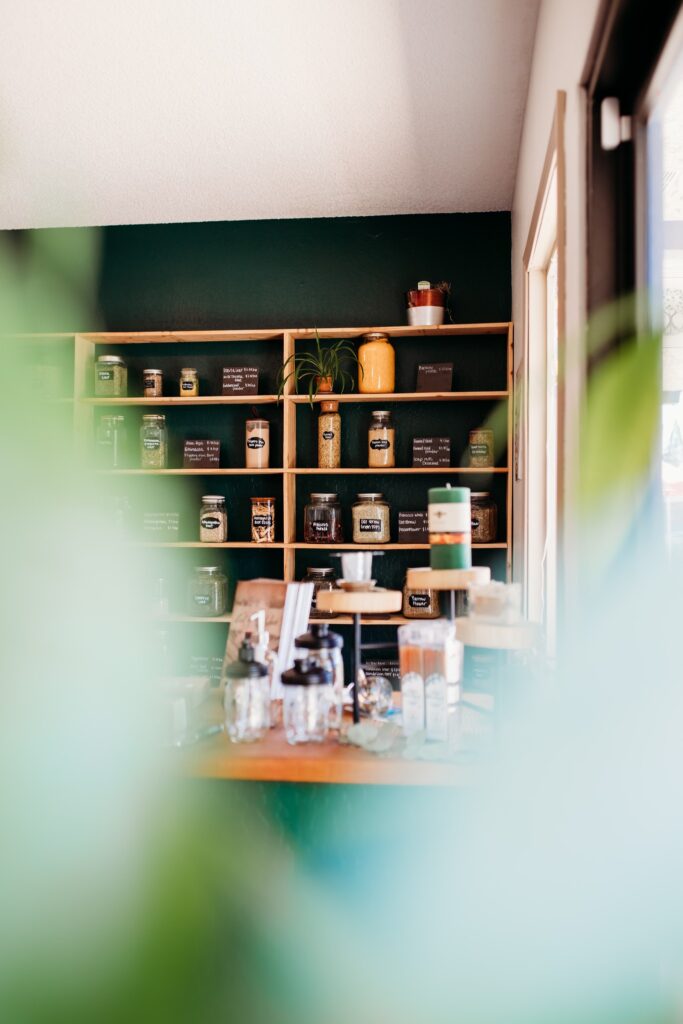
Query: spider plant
[322,369]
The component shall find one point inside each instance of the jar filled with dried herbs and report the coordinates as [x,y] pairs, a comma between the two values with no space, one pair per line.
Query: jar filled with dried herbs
[484,518]
[207,592]
[481,448]
[111,377]
[381,440]
[152,383]
[329,436]
[153,442]
[370,514]
[213,520]
[263,520]
[189,382]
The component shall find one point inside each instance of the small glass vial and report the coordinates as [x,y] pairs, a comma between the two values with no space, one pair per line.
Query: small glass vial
[370,514]
[263,520]
[307,701]
[153,442]
[207,593]
[324,648]
[381,441]
[213,519]
[152,383]
[257,444]
[111,442]
[481,448]
[246,697]
[322,579]
[189,382]
[329,436]
[484,518]
[111,377]
[322,520]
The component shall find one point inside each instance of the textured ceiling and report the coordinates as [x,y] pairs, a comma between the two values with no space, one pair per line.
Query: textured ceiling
[144,111]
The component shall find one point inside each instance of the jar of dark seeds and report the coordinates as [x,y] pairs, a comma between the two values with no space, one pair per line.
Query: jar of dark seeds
[484,518]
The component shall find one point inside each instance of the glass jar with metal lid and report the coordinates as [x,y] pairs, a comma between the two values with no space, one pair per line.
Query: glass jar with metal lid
[152,383]
[484,514]
[306,702]
[246,697]
[207,592]
[213,519]
[322,520]
[322,579]
[324,648]
[376,364]
[381,440]
[370,513]
[189,382]
[112,443]
[111,377]
[153,442]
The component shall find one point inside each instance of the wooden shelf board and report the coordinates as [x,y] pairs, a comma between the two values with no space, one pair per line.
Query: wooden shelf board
[338,620]
[177,401]
[190,472]
[380,547]
[278,546]
[403,396]
[403,331]
[166,337]
[397,469]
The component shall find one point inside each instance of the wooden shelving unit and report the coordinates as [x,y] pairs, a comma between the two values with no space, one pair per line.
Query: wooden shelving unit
[269,349]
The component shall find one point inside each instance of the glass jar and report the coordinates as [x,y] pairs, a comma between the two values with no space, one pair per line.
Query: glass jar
[153,442]
[111,442]
[324,648]
[376,364]
[257,444]
[246,697]
[381,440]
[322,579]
[213,519]
[420,604]
[484,518]
[370,515]
[263,520]
[111,377]
[207,593]
[322,520]
[306,702]
[152,383]
[430,662]
[481,448]
[329,436]
[189,382]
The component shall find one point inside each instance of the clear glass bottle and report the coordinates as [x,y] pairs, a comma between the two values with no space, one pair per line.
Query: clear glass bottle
[207,593]
[370,514]
[376,364]
[322,520]
[257,444]
[306,702]
[153,442]
[323,648]
[213,519]
[263,520]
[111,443]
[189,382]
[381,440]
[322,579]
[329,436]
[484,513]
[246,697]
[111,377]
[152,383]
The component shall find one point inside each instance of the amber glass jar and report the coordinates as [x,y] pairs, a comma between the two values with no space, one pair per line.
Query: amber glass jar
[376,364]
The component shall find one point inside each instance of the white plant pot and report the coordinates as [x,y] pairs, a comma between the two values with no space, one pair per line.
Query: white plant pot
[425,316]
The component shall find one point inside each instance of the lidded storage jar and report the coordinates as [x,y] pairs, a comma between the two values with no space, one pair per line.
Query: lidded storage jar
[153,442]
[481,448]
[246,698]
[329,436]
[420,604]
[257,444]
[484,518]
[263,520]
[152,383]
[322,520]
[111,377]
[189,382]
[376,364]
[370,515]
[213,519]
[111,442]
[324,648]
[322,579]
[207,592]
[381,440]
[306,702]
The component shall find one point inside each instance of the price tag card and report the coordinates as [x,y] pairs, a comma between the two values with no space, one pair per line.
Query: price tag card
[240,380]
[435,377]
[412,528]
[161,526]
[431,451]
[201,454]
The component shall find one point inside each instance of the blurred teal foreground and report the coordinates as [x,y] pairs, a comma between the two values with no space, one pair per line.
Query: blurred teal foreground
[549,892]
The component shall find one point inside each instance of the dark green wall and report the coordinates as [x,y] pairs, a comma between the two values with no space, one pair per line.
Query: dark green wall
[287,273]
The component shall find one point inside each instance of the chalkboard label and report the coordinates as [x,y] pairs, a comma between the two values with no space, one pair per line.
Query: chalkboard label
[201,454]
[413,528]
[418,600]
[431,451]
[161,525]
[240,380]
[434,377]
[370,525]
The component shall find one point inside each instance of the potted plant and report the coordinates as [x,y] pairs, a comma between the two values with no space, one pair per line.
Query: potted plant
[322,369]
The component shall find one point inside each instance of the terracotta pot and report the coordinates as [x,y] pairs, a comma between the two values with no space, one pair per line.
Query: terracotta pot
[426,297]
[324,385]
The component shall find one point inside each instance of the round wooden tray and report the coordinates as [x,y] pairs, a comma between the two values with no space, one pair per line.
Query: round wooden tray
[522,636]
[360,602]
[447,579]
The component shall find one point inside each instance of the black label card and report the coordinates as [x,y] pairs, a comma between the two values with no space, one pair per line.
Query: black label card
[412,528]
[434,377]
[431,451]
[201,454]
[240,380]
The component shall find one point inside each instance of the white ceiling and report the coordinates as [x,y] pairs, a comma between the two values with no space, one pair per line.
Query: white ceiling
[143,111]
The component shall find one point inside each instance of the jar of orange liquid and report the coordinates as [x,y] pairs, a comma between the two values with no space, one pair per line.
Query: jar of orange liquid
[376,364]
